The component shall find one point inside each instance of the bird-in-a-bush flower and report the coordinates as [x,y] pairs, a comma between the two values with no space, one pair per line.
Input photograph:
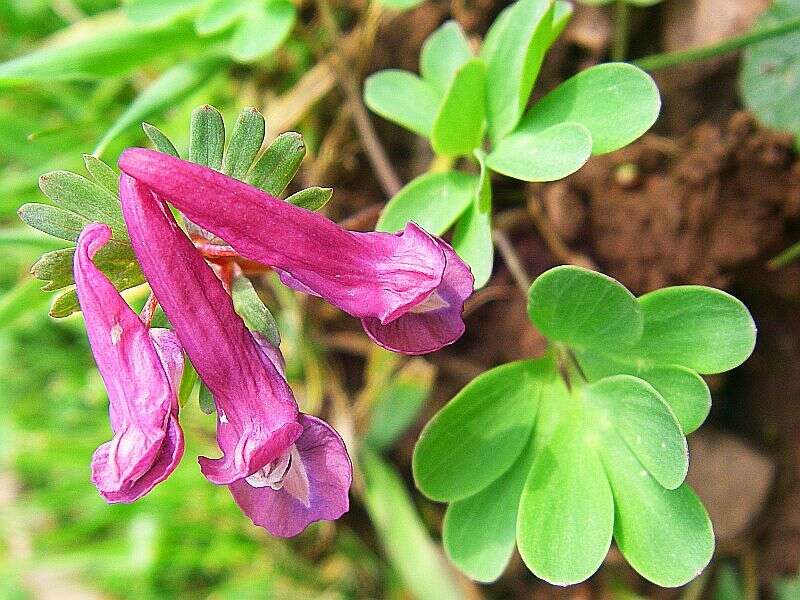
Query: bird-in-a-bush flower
[141,368]
[285,469]
[408,289]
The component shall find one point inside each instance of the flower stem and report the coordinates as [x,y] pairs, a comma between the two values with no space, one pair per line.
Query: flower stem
[622,14]
[670,59]
[512,260]
[785,257]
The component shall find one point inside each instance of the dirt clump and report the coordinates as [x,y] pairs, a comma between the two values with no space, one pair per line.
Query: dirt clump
[690,211]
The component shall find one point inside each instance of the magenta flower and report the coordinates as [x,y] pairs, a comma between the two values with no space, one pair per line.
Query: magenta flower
[408,289]
[141,369]
[285,469]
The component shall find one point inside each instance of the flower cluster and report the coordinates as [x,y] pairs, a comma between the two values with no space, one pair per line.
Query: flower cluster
[284,468]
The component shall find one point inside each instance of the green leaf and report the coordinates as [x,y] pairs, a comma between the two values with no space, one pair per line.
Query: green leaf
[444,53]
[104,175]
[219,15]
[665,535]
[175,85]
[25,297]
[770,74]
[546,155]
[562,13]
[472,238]
[104,46]
[206,400]
[566,514]
[645,422]
[433,201]
[263,29]
[584,308]
[159,12]
[77,194]
[401,4]
[514,55]
[480,433]
[684,390]
[403,98]
[616,102]
[479,532]
[245,142]
[403,535]
[312,198]
[279,164]
[55,221]
[206,137]
[159,140]
[399,402]
[698,327]
[458,128]
[254,313]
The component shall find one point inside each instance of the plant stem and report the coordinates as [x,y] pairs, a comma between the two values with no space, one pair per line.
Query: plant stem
[670,59]
[372,145]
[512,260]
[785,257]
[622,14]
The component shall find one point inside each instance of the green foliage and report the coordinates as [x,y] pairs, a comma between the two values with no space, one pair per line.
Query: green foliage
[279,164]
[254,313]
[770,72]
[403,536]
[459,98]
[598,425]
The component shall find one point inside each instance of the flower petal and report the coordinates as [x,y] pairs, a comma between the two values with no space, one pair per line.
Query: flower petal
[368,275]
[316,489]
[141,396]
[256,412]
[434,323]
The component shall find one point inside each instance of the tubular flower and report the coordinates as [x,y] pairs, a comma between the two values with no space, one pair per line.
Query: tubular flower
[285,469]
[408,289]
[141,369]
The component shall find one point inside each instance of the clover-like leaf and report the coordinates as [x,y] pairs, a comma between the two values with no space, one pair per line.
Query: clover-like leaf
[433,201]
[403,98]
[472,238]
[698,327]
[584,308]
[566,514]
[641,417]
[480,433]
[514,52]
[683,389]
[76,194]
[159,12]
[458,128]
[665,535]
[279,163]
[616,102]
[244,144]
[545,155]
[479,532]
[443,53]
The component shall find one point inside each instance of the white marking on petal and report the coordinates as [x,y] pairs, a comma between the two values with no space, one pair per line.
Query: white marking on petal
[433,302]
[116,333]
[223,418]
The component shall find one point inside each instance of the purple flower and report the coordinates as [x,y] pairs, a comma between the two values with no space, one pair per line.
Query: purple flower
[285,469]
[141,369]
[408,289]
